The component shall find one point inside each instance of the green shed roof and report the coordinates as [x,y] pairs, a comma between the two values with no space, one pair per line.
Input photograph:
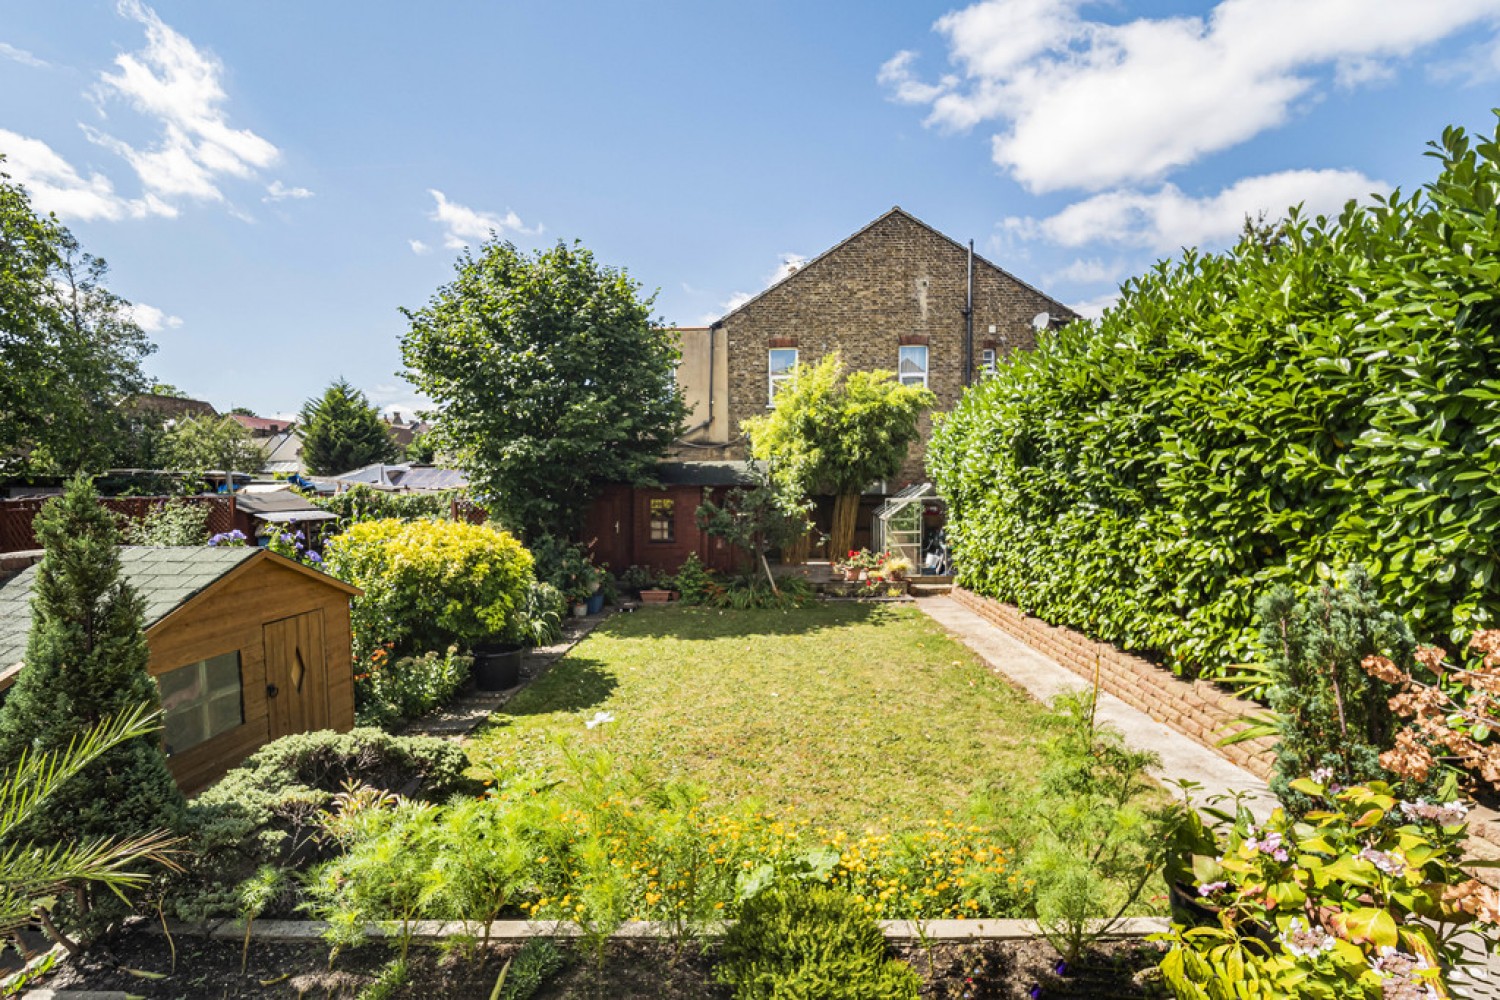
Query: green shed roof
[164,577]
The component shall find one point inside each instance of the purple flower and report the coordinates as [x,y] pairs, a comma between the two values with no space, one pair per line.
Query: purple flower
[313,558]
[1209,888]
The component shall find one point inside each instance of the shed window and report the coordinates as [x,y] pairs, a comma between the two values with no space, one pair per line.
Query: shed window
[663,523]
[200,701]
[783,360]
[912,365]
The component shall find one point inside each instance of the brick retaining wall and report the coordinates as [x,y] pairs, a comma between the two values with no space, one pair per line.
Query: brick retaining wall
[1198,709]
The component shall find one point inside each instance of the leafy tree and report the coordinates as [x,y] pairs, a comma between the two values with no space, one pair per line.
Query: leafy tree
[212,444]
[756,520]
[552,381]
[69,351]
[242,411]
[837,432]
[422,450]
[342,431]
[86,663]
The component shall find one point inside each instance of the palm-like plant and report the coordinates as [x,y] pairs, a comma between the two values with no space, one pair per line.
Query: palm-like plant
[30,874]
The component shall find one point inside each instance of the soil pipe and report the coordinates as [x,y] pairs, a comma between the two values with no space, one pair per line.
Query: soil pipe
[969,320]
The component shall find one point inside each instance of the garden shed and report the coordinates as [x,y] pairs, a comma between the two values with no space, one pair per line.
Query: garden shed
[246,646]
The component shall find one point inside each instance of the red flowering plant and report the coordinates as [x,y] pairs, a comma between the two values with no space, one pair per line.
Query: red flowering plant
[1453,710]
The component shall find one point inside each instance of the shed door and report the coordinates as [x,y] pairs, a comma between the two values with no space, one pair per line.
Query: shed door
[296,675]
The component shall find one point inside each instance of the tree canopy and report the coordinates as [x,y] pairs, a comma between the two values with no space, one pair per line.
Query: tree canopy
[836,431]
[551,377]
[69,351]
[212,444]
[342,431]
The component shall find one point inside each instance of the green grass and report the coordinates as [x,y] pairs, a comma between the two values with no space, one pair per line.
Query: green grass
[853,716]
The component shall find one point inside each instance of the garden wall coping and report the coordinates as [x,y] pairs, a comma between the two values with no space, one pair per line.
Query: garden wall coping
[295,931]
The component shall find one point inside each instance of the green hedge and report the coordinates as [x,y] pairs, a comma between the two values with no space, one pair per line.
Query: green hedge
[1324,394]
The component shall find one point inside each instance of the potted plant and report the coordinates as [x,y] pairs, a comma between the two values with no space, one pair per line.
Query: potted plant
[897,567]
[661,593]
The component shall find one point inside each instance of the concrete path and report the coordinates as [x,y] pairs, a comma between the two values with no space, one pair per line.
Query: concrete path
[1044,679]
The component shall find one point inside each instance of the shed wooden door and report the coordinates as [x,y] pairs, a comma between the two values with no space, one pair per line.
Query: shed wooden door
[296,675]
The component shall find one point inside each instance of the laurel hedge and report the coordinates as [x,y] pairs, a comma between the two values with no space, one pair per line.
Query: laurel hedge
[1326,393]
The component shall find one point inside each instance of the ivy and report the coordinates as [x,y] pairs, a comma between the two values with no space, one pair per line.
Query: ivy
[1320,396]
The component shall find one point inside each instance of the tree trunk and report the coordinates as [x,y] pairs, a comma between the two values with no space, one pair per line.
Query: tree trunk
[841,534]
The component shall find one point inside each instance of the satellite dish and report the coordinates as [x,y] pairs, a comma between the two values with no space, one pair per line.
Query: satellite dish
[1040,321]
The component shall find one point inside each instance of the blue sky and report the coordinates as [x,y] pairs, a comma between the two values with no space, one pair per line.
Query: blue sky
[270,182]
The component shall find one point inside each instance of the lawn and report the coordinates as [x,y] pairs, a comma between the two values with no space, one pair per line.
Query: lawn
[852,716]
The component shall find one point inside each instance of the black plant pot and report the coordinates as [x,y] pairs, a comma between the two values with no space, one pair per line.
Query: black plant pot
[497,666]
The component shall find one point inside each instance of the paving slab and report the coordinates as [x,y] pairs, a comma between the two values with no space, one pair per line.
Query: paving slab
[1044,679]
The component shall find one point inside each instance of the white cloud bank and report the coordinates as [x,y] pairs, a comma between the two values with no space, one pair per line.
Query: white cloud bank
[8,51]
[464,226]
[56,186]
[1088,104]
[1166,220]
[179,90]
[786,264]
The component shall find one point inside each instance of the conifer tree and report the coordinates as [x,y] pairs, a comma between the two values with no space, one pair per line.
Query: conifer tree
[342,431]
[85,664]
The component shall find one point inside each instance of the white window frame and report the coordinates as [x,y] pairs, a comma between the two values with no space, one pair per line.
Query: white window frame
[207,698]
[905,379]
[988,358]
[772,379]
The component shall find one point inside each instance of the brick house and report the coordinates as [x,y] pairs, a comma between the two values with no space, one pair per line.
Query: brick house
[897,295]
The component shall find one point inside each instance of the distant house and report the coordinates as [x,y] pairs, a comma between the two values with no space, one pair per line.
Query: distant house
[405,430]
[170,407]
[278,439]
[246,647]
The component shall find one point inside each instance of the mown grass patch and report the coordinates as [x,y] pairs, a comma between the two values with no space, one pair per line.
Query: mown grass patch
[850,716]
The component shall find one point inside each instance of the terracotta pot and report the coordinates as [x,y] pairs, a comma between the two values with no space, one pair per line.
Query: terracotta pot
[654,595]
[851,573]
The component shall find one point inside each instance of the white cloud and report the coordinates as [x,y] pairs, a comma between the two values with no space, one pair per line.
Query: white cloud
[55,185]
[1088,104]
[1167,219]
[1094,308]
[22,56]
[418,247]
[152,319]
[179,86]
[277,191]
[1091,271]
[465,226]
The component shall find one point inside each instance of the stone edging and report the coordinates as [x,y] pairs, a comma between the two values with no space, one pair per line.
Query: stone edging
[1199,710]
[298,931]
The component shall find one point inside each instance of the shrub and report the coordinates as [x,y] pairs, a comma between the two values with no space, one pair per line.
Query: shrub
[389,692]
[1318,396]
[543,614]
[265,811]
[1329,713]
[810,944]
[430,583]
[363,502]
[567,567]
[693,582]
[1088,839]
[171,522]
[1366,897]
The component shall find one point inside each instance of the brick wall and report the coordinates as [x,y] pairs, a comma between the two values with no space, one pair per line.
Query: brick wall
[1197,709]
[896,281]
